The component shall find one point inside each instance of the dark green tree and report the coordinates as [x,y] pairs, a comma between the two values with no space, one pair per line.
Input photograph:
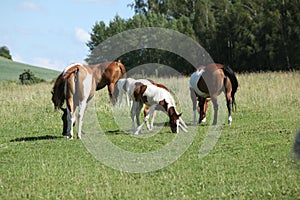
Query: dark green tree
[28,77]
[248,35]
[4,52]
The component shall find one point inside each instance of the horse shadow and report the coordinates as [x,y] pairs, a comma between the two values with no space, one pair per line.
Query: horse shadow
[36,138]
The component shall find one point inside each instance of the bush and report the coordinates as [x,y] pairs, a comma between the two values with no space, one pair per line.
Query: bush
[28,77]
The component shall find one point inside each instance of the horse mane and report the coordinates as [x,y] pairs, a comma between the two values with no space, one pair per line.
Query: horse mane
[58,90]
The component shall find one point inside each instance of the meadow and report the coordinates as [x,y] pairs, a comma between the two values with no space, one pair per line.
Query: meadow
[10,70]
[251,159]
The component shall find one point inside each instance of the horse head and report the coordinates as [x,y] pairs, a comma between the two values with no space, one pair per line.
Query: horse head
[176,121]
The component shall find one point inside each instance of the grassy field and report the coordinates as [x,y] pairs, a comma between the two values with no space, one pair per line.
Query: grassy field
[251,160]
[11,70]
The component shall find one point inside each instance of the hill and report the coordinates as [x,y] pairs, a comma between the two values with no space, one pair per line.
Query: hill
[10,70]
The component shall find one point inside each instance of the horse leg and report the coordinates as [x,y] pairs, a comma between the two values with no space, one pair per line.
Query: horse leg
[128,99]
[70,117]
[120,97]
[111,88]
[151,109]
[194,102]
[152,119]
[146,112]
[137,114]
[216,108]
[229,107]
[81,110]
[201,106]
[133,111]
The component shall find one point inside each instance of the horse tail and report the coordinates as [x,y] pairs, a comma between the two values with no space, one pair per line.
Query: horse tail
[234,82]
[58,90]
[122,69]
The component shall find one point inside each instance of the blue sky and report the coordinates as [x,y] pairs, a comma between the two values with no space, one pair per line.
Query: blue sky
[53,34]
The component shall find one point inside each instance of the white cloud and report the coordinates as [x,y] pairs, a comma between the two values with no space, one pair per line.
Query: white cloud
[27,5]
[82,35]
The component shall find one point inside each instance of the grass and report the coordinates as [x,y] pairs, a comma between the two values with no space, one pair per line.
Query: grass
[251,159]
[11,70]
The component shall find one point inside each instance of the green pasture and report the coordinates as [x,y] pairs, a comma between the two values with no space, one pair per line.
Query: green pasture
[11,70]
[251,159]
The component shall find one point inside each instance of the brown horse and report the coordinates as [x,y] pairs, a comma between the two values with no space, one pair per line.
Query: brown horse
[207,83]
[77,84]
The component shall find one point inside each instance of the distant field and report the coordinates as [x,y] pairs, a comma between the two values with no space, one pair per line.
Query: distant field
[10,70]
[251,159]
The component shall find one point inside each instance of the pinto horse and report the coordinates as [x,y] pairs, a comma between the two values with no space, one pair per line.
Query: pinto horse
[206,83]
[157,98]
[77,84]
[129,87]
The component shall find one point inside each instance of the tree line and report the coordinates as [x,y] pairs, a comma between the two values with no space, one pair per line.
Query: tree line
[257,35]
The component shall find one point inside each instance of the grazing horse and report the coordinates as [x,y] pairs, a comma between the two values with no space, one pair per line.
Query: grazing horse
[154,97]
[129,87]
[77,84]
[206,83]
[120,90]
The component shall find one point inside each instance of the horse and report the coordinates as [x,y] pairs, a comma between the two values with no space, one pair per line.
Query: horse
[119,91]
[206,84]
[129,87]
[77,84]
[155,97]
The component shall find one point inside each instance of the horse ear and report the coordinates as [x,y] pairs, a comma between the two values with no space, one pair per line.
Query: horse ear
[179,114]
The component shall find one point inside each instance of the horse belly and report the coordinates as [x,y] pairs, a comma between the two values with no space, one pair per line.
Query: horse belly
[154,96]
[195,77]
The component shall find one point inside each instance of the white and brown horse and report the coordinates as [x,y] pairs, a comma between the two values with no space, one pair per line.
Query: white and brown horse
[77,84]
[129,87]
[206,83]
[157,98]
[120,89]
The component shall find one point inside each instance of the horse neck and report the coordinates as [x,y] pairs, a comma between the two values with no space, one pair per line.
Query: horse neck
[168,105]
[172,111]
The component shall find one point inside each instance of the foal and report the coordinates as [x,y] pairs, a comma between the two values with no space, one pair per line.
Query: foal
[154,97]
[77,84]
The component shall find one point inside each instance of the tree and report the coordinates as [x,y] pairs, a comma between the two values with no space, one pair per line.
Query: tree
[248,35]
[4,52]
[28,77]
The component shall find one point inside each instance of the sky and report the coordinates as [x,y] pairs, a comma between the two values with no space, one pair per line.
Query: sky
[53,33]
